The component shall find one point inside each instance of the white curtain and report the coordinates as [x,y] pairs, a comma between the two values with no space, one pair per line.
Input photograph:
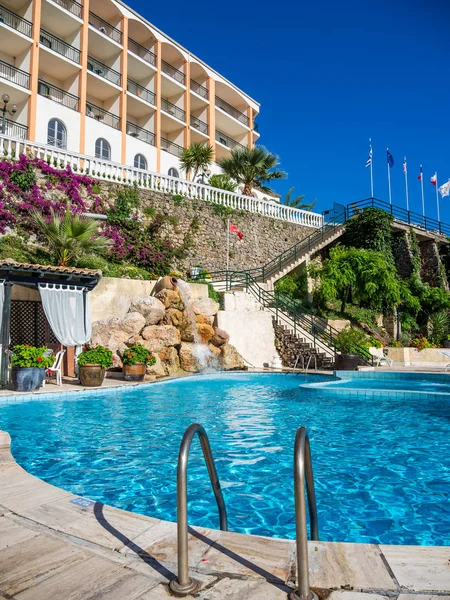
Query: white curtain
[67,311]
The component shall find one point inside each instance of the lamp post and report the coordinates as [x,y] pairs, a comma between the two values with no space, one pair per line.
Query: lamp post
[6,111]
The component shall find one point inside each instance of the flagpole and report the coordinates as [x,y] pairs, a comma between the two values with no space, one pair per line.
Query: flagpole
[423,194]
[406,184]
[228,244]
[371,168]
[437,198]
[389,180]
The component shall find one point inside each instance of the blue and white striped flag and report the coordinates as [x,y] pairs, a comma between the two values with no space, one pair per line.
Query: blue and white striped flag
[369,160]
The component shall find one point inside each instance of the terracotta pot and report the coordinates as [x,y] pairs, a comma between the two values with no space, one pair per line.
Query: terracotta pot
[91,375]
[27,379]
[134,372]
[346,362]
[165,283]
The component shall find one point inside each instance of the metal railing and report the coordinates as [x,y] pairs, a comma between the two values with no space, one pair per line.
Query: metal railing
[303,470]
[74,7]
[105,28]
[176,74]
[183,585]
[105,170]
[7,17]
[140,133]
[172,109]
[140,91]
[199,125]
[142,52]
[14,74]
[50,91]
[227,141]
[97,67]
[50,41]
[102,115]
[13,129]
[171,147]
[199,89]
[233,112]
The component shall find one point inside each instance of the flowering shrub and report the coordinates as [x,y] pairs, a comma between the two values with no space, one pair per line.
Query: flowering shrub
[421,343]
[96,355]
[395,344]
[138,354]
[25,355]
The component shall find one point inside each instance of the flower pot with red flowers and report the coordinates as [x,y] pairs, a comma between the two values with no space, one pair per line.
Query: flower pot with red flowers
[28,367]
[135,360]
[92,365]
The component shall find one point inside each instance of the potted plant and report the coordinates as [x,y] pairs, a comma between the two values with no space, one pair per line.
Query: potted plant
[352,345]
[92,363]
[135,360]
[28,367]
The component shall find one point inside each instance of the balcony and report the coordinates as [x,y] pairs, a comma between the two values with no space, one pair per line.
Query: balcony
[229,118]
[103,116]
[224,144]
[9,18]
[173,110]
[174,74]
[199,125]
[101,74]
[199,89]
[63,16]
[50,41]
[13,129]
[140,133]
[140,100]
[15,76]
[142,52]
[71,6]
[15,37]
[171,147]
[105,41]
[105,28]
[47,90]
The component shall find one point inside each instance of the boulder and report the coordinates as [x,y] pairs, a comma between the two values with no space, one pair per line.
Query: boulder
[173,316]
[204,319]
[214,351]
[230,358]
[220,337]
[136,339]
[170,299]
[116,331]
[204,332]
[157,369]
[205,306]
[188,358]
[169,360]
[150,308]
[158,337]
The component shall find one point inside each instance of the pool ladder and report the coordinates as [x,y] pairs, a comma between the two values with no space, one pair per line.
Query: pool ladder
[184,585]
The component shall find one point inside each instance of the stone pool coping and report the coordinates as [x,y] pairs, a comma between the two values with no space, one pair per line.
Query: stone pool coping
[54,544]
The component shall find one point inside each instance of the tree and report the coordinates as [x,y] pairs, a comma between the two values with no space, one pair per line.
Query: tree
[252,167]
[222,182]
[196,157]
[71,236]
[297,202]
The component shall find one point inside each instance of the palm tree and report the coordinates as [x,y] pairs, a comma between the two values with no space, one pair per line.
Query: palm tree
[70,236]
[297,202]
[196,157]
[252,167]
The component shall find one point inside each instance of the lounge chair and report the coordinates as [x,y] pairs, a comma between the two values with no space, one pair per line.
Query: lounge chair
[379,356]
[445,353]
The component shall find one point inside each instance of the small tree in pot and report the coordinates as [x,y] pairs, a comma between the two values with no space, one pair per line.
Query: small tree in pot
[29,364]
[135,360]
[93,362]
[352,345]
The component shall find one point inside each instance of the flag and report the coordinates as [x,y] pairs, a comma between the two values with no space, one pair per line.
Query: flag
[433,179]
[234,229]
[420,177]
[369,160]
[390,159]
[404,166]
[444,190]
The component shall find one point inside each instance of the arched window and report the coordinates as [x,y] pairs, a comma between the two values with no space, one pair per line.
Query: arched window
[173,172]
[140,162]
[57,134]
[102,149]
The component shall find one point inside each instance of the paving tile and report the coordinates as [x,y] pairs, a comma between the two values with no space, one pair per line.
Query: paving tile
[12,533]
[159,592]
[420,568]
[422,597]
[237,589]
[343,595]
[20,490]
[334,565]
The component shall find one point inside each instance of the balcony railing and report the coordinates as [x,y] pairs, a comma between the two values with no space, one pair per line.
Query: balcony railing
[104,71]
[171,147]
[173,72]
[14,74]
[199,125]
[13,129]
[226,140]
[15,22]
[172,109]
[50,41]
[233,112]
[140,91]
[140,133]
[142,52]
[256,127]
[199,89]
[105,28]
[57,94]
[103,116]
[74,7]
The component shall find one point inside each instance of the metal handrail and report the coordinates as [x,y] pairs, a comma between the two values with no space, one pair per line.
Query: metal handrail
[7,17]
[226,140]
[71,5]
[303,471]
[183,585]
[52,42]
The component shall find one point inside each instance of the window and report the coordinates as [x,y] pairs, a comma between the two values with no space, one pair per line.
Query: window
[173,172]
[57,134]
[140,162]
[102,149]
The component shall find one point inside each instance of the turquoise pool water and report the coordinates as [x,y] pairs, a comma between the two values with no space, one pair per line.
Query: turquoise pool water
[381,463]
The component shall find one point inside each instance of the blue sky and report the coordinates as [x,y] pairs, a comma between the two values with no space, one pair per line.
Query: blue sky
[329,75]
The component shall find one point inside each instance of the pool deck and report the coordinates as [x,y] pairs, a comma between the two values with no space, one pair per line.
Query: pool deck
[56,546]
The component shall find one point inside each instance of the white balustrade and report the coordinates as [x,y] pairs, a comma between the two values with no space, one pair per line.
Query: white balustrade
[110,171]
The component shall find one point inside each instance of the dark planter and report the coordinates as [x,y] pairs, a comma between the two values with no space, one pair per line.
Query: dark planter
[447,344]
[91,375]
[134,372]
[27,379]
[347,362]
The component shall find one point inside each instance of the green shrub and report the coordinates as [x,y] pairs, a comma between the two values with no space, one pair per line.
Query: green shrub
[25,355]
[223,182]
[92,261]
[96,355]
[25,179]
[352,341]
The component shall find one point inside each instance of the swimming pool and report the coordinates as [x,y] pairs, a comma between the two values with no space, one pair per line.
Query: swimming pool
[381,464]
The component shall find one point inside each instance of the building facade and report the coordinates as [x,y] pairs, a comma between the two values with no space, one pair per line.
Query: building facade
[95,78]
